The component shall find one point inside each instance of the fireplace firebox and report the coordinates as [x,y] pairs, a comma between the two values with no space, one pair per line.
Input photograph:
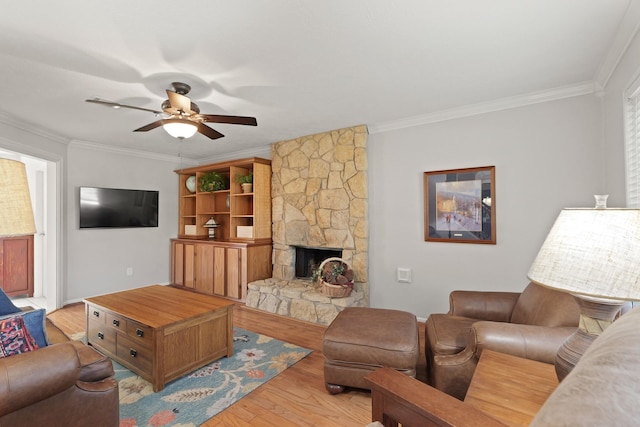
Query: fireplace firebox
[309,259]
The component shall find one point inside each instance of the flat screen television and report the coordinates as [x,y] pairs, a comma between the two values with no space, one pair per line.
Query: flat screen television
[117,208]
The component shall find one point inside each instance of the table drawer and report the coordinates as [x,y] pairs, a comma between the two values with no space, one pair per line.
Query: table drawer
[96,314]
[100,335]
[117,322]
[130,351]
[142,334]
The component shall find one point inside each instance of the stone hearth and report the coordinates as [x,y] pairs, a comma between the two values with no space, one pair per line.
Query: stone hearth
[319,199]
[296,298]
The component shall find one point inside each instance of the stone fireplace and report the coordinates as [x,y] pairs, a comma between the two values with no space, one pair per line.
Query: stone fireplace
[319,201]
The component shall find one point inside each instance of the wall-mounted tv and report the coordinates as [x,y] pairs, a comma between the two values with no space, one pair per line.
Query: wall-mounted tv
[117,208]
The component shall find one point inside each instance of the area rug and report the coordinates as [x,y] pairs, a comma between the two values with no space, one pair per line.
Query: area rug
[196,397]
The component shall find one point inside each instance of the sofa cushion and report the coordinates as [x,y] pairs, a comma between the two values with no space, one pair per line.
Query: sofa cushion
[6,306]
[542,306]
[15,337]
[603,388]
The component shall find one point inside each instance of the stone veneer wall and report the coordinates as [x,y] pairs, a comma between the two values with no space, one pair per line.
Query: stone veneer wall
[319,199]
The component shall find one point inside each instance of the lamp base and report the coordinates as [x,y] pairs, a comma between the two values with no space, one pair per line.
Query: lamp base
[595,316]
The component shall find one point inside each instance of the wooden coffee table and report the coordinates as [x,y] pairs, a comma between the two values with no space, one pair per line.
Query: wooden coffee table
[160,332]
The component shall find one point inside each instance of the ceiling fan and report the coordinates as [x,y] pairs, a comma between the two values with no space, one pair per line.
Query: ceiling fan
[183,118]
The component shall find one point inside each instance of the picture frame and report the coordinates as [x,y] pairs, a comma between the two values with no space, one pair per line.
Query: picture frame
[460,205]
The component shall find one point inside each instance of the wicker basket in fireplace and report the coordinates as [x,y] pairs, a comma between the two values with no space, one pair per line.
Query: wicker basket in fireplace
[335,277]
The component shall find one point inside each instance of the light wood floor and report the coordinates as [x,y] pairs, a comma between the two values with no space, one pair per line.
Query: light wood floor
[297,396]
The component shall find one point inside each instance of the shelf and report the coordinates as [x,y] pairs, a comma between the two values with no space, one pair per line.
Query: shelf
[212,193]
[231,207]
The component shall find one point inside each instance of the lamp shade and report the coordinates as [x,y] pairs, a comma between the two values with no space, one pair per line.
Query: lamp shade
[179,128]
[16,214]
[592,252]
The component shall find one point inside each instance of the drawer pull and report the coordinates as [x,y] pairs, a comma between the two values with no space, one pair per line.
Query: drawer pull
[96,313]
[133,353]
[116,322]
[139,332]
[100,335]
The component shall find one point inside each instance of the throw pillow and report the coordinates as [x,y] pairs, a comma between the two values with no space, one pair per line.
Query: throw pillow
[35,322]
[15,337]
[6,306]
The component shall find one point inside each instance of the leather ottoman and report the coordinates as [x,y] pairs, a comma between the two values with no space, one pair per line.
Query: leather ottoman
[361,340]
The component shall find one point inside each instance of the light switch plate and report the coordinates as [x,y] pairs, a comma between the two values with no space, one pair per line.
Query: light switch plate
[404,275]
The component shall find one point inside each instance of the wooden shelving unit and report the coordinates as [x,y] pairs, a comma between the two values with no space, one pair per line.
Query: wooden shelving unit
[230,208]
[241,251]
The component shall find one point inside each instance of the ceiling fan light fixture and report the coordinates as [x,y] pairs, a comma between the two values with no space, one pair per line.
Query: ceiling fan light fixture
[180,129]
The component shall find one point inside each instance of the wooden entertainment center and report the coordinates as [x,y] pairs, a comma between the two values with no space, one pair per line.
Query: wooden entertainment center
[241,250]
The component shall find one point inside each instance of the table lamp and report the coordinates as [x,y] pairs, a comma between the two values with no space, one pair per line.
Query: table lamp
[211,225]
[16,214]
[594,254]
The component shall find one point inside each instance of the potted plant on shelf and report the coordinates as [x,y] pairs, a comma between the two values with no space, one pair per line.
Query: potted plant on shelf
[245,181]
[335,277]
[213,181]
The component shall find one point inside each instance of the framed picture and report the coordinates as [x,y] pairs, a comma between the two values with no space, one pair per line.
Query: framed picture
[460,205]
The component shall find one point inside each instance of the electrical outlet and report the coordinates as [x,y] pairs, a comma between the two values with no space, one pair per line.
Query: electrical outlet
[404,275]
[129,271]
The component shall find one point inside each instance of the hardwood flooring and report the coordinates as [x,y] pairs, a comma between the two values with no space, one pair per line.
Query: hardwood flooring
[297,396]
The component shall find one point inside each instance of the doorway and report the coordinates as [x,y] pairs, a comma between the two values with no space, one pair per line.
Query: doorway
[43,188]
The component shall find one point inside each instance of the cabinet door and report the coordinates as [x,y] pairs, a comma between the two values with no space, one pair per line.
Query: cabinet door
[234,272]
[189,265]
[16,265]
[177,275]
[219,271]
[184,258]
[204,268]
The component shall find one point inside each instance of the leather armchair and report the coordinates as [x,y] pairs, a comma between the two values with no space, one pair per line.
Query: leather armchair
[532,324]
[66,384]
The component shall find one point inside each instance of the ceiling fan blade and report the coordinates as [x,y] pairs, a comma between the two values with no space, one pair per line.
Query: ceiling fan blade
[234,120]
[150,126]
[118,105]
[208,132]
[180,102]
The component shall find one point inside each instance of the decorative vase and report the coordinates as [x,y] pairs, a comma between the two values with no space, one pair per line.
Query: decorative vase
[191,184]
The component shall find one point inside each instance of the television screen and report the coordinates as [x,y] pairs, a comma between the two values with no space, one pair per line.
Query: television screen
[117,208]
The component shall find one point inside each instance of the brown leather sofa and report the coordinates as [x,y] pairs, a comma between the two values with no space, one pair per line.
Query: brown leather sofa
[532,324]
[65,384]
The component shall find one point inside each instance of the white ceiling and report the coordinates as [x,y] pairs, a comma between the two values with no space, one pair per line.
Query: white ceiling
[298,66]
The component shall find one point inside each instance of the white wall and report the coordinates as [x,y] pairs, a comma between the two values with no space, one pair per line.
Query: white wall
[98,258]
[547,156]
[613,119]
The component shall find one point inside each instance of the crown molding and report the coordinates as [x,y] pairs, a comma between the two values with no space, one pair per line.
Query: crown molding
[31,128]
[579,89]
[627,30]
[129,152]
[264,152]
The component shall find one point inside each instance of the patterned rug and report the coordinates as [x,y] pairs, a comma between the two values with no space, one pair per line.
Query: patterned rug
[196,397]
